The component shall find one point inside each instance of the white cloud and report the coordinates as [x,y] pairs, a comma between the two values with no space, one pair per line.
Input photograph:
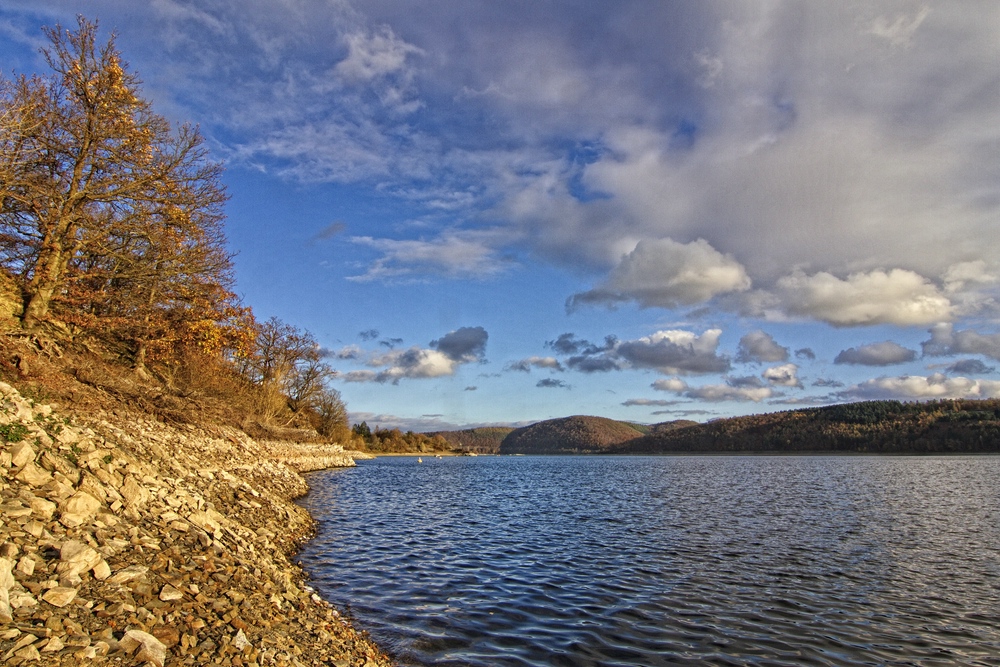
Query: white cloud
[663,273]
[414,362]
[675,385]
[885,353]
[899,30]
[786,375]
[676,352]
[453,255]
[876,297]
[738,390]
[456,348]
[920,387]
[375,54]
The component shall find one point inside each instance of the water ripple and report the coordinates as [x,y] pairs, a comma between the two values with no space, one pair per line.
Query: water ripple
[530,561]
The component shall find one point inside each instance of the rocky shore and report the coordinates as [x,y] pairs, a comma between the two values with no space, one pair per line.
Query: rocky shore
[126,541]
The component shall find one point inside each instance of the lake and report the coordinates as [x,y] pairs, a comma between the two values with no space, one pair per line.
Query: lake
[728,560]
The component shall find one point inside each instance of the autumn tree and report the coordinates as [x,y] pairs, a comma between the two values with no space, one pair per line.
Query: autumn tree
[104,204]
[288,367]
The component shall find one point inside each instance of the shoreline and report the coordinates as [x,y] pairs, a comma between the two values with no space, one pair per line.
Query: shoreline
[125,540]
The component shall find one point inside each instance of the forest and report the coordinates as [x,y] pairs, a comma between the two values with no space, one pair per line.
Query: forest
[112,242]
[888,427]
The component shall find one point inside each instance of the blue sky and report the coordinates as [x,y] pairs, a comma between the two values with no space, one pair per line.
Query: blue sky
[497,213]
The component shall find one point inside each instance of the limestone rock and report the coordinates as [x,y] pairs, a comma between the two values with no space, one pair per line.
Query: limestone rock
[43,509]
[102,570]
[32,475]
[76,558]
[21,453]
[150,649]
[6,582]
[78,509]
[134,493]
[60,596]
[127,574]
[168,593]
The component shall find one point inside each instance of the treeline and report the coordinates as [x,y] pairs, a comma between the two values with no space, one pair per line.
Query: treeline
[395,441]
[481,440]
[943,426]
[111,228]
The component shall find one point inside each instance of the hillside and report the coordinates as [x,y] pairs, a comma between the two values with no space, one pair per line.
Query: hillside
[483,440]
[569,435]
[870,427]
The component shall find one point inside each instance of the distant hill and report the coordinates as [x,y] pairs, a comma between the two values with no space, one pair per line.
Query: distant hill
[569,435]
[484,440]
[870,426]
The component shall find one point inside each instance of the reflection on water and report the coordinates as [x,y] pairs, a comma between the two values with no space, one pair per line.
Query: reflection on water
[666,560]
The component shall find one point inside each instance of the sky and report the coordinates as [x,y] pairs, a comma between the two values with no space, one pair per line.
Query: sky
[504,212]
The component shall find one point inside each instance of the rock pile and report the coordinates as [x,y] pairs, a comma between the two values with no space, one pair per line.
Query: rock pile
[125,541]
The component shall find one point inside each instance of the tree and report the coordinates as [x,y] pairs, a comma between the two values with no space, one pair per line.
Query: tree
[332,415]
[99,191]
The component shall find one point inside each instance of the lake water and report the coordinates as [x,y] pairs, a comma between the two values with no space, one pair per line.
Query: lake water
[732,560]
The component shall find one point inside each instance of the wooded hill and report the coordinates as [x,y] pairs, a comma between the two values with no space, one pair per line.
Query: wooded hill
[943,426]
[890,427]
[569,435]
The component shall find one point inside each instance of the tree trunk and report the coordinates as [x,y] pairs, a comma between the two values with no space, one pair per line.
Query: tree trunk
[41,289]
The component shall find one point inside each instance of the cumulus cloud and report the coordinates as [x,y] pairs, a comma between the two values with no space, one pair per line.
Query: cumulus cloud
[525,365]
[919,387]
[945,341]
[885,353]
[669,352]
[676,352]
[463,345]
[664,273]
[786,375]
[970,367]
[827,382]
[805,353]
[415,362]
[735,389]
[760,346]
[873,148]
[550,383]
[898,296]
[569,344]
[446,354]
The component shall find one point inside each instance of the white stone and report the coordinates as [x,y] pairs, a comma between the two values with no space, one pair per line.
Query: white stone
[21,453]
[128,574]
[43,509]
[60,596]
[102,570]
[78,509]
[135,494]
[168,593]
[240,641]
[26,566]
[32,475]
[150,648]
[76,558]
